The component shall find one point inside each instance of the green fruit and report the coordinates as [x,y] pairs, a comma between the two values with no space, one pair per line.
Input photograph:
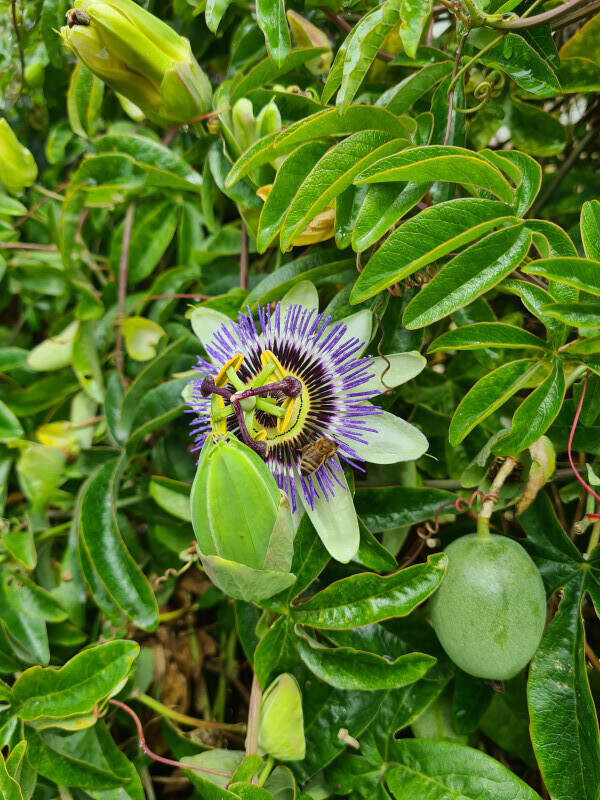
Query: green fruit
[489,613]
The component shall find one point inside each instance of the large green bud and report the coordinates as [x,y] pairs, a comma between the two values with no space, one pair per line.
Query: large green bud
[140,57]
[17,166]
[242,521]
[281,727]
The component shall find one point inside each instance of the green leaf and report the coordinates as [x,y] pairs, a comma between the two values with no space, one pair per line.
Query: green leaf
[535,414]
[394,506]
[289,177]
[580,273]
[424,238]
[414,14]
[534,298]
[76,688]
[561,706]
[372,554]
[440,163]
[320,266]
[267,71]
[29,598]
[469,275]
[326,710]
[360,49]
[276,651]
[525,66]
[84,100]
[347,668]
[383,206]
[159,406]
[163,168]
[580,315]
[214,13]
[11,206]
[102,540]
[48,753]
[328,122]
[366,598]
[333,173]
[489,394]
[9,788]
[590,228]
[444,771]
[144,381]
[153,228]
[535,131]
[173,496]
[10,427]
[487,334]
[270,15]
[401,97]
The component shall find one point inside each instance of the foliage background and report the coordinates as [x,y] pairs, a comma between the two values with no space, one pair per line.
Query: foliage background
[95,464]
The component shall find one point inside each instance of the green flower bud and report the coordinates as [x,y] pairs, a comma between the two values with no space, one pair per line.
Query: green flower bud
[140,57]
[281,728]
[17,166]
[242,521]
[268,121]
[244,124]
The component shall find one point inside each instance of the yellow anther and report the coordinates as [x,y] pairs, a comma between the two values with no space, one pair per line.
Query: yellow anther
[283,423]
[267,357]
[234,363]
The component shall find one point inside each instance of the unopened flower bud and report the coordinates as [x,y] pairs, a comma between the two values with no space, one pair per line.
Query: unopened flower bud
[140,57]
[308,35]
[242,521]
[17,166]
[281,728]
[268,121]
[244,124]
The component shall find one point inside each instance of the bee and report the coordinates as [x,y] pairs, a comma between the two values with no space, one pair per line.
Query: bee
[77,16]
[315,454]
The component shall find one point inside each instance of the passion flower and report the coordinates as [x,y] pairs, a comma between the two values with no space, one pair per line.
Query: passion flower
[296,389]
[489,613]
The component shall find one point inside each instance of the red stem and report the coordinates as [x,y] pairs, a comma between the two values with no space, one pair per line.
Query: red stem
[585,485]
[156,757]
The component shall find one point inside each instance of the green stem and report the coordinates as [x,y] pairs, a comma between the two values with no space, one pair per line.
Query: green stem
[594,538]
[475,58]
[520,23]
[266,771]
[483,518]
[184,719]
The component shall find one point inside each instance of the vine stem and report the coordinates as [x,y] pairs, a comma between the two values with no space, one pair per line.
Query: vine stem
[122,290]
[154,756]
[184,719]
[483,518]
[451,88]
[15,22]
[540,19]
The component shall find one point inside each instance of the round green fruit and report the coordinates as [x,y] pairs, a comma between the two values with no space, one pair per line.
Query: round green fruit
[489,613]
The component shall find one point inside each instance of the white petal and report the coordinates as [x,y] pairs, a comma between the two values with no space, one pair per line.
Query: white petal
[336,522]
[395,440]
[206,321]
[358,326]
[402,368]
[303,293]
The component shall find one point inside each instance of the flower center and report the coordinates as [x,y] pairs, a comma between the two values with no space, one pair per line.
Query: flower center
[269,408]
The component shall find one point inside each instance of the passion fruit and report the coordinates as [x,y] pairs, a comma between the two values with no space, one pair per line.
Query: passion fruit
[489,613]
